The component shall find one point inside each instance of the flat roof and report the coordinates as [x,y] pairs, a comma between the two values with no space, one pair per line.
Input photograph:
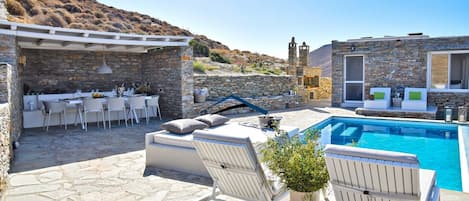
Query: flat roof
[389,38]
[31,36]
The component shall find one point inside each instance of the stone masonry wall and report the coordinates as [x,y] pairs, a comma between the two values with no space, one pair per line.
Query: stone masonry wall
[170,72]
[3,10]
[244,85]
[441,99]
[5,149]
[392,63]
[68,71]
[266,102]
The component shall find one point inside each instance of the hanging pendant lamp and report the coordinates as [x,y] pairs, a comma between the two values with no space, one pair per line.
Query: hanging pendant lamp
[104,68]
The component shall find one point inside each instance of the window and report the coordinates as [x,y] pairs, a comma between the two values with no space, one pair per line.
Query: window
[449,71]
[312,81]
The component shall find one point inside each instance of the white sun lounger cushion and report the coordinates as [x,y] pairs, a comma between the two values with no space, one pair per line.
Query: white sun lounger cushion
[372,154]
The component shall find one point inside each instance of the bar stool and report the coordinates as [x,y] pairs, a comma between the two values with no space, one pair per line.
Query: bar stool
[137,103]
[93,106]
[54,107]
[154,105]
[116,105]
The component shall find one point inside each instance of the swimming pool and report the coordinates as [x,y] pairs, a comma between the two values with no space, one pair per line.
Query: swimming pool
[435,144]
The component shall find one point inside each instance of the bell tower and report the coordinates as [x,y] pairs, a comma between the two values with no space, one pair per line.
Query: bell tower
[292,57]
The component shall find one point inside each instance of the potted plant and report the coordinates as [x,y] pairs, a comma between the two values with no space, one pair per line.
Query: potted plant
[299,161]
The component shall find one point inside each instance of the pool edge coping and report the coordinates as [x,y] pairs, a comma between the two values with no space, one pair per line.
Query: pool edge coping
[463,160]
[462,152]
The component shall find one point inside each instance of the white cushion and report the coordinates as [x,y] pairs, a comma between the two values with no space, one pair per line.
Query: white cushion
[168,138]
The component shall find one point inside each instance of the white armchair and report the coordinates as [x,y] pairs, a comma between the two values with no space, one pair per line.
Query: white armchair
[410,103]
[381,103]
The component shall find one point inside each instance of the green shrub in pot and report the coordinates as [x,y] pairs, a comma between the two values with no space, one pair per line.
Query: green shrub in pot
[298,161]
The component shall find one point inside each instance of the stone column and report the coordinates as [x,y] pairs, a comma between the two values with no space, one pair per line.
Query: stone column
[170,73]
[3,10]
[292,57]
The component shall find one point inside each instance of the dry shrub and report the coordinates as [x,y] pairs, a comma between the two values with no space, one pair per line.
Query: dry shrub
[36,11]
[54,20]
[15,8]
[72,8]
[76,26]
[99,14]
[97,22]
[29,4]
[110,28]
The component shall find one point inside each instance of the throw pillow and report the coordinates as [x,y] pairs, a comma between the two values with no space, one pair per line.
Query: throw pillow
[379,95]
[212,119]
[415,95]
[183,126]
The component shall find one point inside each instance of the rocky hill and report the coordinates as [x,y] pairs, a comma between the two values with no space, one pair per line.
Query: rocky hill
[92,15]
[321,57]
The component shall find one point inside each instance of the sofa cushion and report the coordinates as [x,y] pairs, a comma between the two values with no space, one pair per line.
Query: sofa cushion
[183,126]
[166,138]
[212,119]
[379,95]
[415,95]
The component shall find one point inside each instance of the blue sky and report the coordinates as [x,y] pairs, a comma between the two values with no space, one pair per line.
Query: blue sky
[266,26]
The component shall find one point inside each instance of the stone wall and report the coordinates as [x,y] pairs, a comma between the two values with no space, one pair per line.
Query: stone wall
[390,63]
[5,149]
[266,102]
[441,99]
[68,71]
[170,72]
[244,85]
[3,10]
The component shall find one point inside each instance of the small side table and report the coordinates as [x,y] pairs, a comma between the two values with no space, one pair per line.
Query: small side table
[396,102]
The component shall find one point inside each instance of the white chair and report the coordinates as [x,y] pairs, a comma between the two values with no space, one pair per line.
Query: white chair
[137,103]
[154,106]
[379,104]
[55,107]
[361,174]
[91,105]
[116,105]
[233,165]
[420,105]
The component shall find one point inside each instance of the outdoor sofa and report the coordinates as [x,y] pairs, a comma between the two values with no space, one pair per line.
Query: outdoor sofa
[172,151]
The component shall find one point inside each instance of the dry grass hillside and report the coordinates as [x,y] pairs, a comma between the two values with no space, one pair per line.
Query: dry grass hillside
[92,15]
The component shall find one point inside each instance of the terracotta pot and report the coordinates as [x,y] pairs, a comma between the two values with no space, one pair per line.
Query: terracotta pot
[300,196]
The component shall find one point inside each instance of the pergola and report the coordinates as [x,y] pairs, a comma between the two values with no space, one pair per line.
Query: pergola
[30,36]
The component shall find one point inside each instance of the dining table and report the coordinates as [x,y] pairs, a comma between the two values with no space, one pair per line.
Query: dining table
[78,103]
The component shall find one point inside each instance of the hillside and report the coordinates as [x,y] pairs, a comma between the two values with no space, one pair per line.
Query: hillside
[92,15]
[321,57]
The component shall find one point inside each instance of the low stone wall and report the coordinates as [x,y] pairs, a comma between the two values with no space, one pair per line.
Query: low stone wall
[441,99]
[5,149]
[400,114]
[244,85]
[266,102]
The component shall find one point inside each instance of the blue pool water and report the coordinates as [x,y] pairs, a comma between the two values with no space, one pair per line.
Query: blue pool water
[435,144]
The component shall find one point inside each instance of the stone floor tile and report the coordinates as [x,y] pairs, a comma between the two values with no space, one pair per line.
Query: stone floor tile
[22,180]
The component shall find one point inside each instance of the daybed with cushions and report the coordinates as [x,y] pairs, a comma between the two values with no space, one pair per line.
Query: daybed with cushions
[174,151]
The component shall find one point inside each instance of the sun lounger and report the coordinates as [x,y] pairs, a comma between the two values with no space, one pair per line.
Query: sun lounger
[415,99]
[232,162]
[368,174]
[382,98]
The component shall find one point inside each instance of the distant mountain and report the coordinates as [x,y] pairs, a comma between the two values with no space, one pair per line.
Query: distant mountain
[321,57]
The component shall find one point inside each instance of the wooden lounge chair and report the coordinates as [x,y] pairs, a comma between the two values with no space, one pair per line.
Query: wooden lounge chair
[234,167]
[368,174]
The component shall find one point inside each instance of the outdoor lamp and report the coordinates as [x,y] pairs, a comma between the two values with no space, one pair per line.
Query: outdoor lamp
[104,68]
[448,114]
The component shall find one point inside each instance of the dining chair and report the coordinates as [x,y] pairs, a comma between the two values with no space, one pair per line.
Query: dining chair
[54,107]
[116,105]
[91,105]
[137,103]
[154,106]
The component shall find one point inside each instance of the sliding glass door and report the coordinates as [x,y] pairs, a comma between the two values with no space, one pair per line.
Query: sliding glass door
[354,78]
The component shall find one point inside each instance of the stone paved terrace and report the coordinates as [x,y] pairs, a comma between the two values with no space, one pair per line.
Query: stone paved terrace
[110,164]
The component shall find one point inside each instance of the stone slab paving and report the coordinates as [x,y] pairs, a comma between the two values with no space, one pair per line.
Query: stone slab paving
[110,164]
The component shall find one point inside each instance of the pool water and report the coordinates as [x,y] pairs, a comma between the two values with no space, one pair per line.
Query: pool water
[435,144]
